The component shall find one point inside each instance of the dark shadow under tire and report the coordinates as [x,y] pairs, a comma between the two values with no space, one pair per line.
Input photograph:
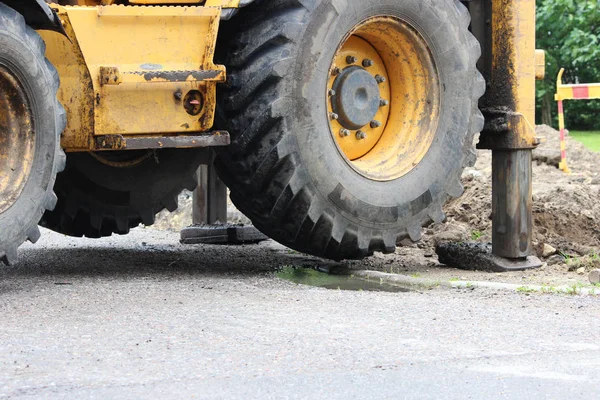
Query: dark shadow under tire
[97,199]
[22,54]
[283,167]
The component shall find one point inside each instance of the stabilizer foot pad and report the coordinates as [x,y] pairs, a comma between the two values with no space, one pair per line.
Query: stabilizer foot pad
[479,257]
[227,234]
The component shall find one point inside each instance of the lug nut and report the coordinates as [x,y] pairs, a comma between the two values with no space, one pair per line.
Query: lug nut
[383,103]
[351,60]
[360,135]
[380,79]
[335,71]
[375,124]
[331,92]
[333,116]
[367,63]
[344,132]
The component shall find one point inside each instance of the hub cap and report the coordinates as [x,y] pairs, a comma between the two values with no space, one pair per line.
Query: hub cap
[356,98]
[383,98]
[17,139]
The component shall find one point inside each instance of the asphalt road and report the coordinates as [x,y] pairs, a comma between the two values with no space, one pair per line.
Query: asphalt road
[143,317]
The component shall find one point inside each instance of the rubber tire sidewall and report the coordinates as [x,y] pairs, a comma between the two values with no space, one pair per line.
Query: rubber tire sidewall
[439,24]
[113,193]
[35,76]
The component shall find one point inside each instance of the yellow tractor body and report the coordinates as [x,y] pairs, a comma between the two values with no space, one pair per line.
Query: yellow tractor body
[135,70]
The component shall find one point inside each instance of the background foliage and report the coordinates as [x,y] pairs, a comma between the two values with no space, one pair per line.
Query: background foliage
[569,31]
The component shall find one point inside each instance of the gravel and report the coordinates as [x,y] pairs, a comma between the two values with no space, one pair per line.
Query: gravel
[144,317]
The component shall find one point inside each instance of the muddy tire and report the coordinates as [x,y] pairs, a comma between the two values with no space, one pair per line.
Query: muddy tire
[31,121]
[105,193]
[287,167]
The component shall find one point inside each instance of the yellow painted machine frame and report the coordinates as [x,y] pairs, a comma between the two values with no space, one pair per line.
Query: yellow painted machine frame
[140,71]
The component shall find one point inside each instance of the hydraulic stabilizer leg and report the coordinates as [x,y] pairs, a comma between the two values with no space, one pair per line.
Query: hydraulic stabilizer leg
[209,214]
[512,221]
[510,131]
[510,65]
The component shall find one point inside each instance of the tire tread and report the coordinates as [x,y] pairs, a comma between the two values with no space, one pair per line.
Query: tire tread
[13,22]
[267,183]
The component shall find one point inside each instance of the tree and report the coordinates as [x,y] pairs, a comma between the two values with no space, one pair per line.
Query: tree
[569,31]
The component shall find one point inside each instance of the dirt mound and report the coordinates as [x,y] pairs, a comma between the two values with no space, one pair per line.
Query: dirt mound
[566,208]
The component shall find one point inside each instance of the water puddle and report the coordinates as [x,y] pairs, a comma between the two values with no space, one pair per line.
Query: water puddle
[336,281]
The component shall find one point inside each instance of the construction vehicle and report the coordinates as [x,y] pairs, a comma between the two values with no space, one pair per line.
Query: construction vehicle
[340,126]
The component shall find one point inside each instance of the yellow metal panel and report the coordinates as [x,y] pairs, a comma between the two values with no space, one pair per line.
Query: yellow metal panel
[167,36]
[166,1]
[158,55]
[89,2]
[513,24]
[138,40]
[223,3]
[76,91]
[517,19]
[209,3]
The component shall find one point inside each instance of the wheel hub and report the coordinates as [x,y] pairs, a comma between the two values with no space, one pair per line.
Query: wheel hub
[359,93]
[17,139]
[383,98]
[356,99]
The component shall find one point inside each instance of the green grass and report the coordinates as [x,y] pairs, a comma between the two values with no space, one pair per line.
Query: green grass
[526,289]
[476,235]
[591,139]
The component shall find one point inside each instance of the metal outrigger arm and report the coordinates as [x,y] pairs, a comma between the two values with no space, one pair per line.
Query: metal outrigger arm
[510,64]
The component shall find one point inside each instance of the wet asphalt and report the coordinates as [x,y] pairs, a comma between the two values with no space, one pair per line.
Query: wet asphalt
[144,317]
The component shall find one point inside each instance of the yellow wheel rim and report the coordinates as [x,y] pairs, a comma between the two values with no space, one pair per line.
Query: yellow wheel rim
[383,98]
[17,139]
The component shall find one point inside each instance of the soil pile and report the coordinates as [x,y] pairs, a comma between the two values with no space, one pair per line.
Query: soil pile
[566,208]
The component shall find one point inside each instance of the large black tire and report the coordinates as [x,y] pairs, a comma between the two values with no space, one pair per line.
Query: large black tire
[22,53]
[97,199]
[283,168]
